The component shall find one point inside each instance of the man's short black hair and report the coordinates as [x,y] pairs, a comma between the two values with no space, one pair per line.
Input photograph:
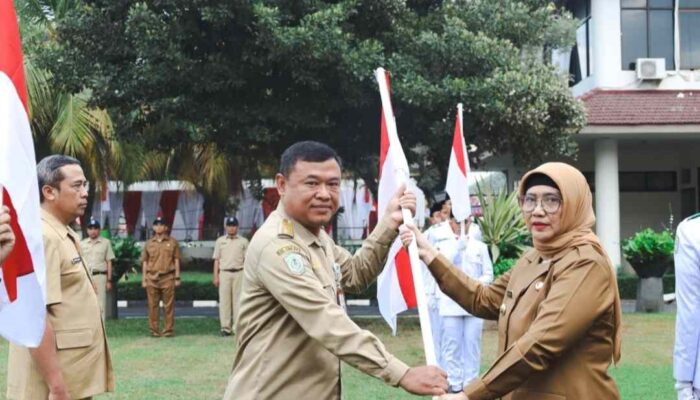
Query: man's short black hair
[49,171]
[309,151]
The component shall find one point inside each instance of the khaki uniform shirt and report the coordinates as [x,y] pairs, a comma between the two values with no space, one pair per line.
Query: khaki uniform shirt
[74,313]
[160,256]
[96,253]
[556,322]
[230,252]
[292,331]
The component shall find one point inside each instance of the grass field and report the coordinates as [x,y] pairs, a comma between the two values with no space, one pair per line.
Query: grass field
[195,364]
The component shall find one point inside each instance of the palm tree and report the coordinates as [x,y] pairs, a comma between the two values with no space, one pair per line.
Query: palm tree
[212,172]
[63,123]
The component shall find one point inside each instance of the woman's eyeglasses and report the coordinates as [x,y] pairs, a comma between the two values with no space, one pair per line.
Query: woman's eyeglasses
[549,203]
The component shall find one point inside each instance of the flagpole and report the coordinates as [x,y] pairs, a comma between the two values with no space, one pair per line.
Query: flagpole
[423,315]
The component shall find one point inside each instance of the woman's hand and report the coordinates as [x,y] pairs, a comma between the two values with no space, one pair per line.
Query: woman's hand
[426,251]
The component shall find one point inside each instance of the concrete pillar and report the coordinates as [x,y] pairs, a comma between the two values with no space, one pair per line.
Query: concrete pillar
[607,198]
[606,47]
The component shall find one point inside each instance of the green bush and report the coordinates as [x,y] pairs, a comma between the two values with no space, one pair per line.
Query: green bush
[650,253]
[628,285]
[127,257]
[503,265]
[198,286]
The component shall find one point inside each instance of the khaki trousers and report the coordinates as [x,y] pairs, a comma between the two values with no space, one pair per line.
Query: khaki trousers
[100,281]
[164,291]
[229,292]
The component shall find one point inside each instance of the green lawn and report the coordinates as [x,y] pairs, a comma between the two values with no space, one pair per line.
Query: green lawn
[195,364]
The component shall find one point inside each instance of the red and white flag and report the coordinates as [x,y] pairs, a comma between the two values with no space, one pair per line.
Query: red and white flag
[22,305]
[400,285]
[457,174]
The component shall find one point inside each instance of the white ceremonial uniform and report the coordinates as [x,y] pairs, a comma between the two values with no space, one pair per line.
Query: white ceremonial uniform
[443,239]
[686,353]
[461,334]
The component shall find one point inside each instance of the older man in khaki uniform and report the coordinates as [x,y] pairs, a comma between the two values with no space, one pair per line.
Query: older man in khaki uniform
[98,255]
[229,253]
[73,360]
[160,275]
[292,330]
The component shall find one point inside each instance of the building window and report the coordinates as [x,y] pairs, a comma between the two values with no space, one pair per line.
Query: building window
[580,57]
[647,31]
[689,32]
[644,181]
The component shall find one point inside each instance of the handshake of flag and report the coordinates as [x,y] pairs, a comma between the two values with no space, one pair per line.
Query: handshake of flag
[400,285]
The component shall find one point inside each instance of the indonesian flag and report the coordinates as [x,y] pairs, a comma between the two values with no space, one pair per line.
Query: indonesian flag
[457,184]
[395,286]
[22,306]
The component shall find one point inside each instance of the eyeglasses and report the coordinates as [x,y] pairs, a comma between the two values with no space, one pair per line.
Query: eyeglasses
[549,203]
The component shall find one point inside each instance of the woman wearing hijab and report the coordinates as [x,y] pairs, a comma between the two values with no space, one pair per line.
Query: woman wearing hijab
[558,309]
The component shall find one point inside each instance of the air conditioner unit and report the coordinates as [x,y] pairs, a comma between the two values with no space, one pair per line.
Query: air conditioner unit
[651,68]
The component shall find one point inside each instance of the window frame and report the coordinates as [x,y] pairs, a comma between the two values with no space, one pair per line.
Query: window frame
[647,9]
[680,9]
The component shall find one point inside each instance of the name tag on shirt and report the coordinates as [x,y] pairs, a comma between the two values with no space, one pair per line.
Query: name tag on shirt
[76,260]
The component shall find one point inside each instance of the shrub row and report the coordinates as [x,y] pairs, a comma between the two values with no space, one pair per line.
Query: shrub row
[201,288]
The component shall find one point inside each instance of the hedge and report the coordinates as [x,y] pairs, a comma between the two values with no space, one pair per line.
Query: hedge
[198,286]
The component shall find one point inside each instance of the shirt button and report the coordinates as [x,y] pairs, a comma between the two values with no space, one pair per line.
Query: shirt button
[539,285]
[503,309]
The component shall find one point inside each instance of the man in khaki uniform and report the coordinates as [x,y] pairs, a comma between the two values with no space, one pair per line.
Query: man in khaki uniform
[73,360]
[229,253]
[161,274]
[292,330]
[98,255]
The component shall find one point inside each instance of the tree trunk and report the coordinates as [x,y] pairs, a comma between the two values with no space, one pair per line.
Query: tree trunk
[88,210]
[214,213]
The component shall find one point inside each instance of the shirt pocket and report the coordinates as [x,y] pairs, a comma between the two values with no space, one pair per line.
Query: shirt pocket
[73,338]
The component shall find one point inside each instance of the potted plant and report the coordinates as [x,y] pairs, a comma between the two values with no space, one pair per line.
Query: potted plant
[127,255]
[650,253]
[502,225]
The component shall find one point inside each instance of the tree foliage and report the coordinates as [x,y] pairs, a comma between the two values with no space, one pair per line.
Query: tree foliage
[251,77]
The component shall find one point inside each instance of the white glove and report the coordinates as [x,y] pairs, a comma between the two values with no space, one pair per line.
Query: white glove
[433,302]
[685,391]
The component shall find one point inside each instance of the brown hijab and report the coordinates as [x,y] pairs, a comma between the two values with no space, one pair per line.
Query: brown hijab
[577,219]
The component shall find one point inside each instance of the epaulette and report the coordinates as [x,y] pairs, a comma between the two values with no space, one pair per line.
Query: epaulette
[286,229]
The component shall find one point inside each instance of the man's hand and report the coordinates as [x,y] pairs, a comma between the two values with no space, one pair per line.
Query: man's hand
[7,237]
[109,286]
[426,251]
[402,199]
[143,283]
[428,380]
[216,281]
[177,282]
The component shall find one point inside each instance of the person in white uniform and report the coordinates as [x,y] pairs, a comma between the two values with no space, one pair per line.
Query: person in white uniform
[461,332]
[441,236]
[686,353]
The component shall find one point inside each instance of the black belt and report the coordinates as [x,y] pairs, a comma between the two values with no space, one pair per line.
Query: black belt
[232,270]
[99,272]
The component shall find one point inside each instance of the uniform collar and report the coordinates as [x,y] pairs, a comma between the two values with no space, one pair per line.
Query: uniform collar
[59,227]
[95,240]
[231,237]
[304,234]
[165,239]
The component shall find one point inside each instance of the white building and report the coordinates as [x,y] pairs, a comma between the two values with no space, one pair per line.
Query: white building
[641,147]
